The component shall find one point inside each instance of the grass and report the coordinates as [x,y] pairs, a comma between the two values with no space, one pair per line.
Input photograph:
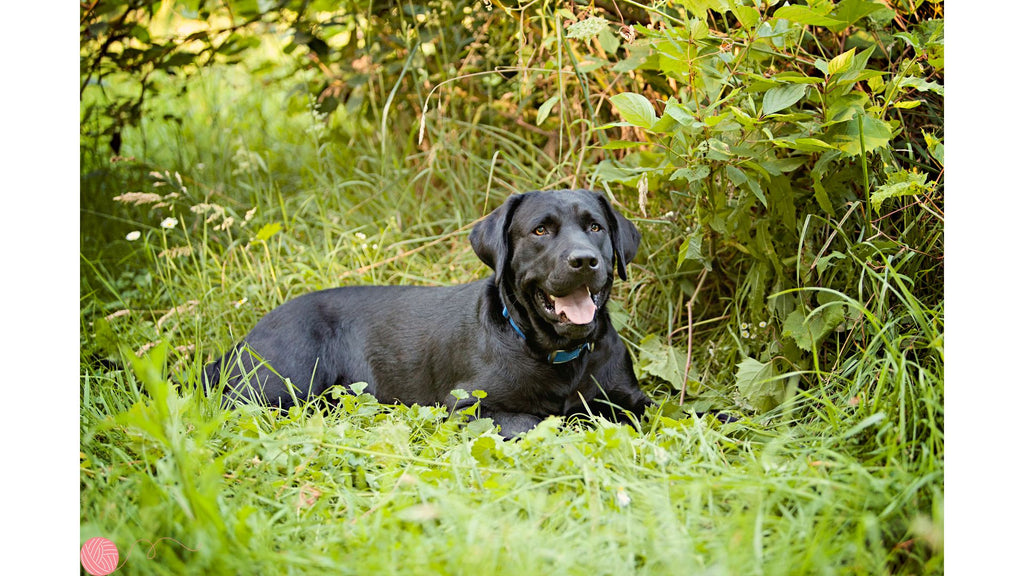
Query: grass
[845,477]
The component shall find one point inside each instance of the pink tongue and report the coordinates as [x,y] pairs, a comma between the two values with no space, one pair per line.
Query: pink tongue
[577,307]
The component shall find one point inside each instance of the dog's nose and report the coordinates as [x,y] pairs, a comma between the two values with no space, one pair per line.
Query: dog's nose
[580,259]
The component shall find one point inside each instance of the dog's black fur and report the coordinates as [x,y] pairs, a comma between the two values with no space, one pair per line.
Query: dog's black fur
[415,344]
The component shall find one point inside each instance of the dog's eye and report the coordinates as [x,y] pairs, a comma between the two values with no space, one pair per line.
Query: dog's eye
[540,231]
[595,227]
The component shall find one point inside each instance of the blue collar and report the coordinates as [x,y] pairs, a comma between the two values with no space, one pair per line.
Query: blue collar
[556,357]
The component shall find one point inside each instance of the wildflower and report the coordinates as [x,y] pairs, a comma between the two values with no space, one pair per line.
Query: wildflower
[360,236]
[744,326]
[133,236]
[622,498]
[169,223]
[762,324]
[241,302]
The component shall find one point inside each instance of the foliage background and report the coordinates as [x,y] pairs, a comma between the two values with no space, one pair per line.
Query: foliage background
[732,290]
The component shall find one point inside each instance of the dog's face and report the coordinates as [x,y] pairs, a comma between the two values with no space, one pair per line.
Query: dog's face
[555,255]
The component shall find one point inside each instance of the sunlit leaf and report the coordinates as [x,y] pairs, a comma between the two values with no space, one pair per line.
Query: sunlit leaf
[635,109]
[805,15]
[841,63]
[850,135]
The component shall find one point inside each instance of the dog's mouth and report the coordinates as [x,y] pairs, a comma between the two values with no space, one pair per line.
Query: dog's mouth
[577,307]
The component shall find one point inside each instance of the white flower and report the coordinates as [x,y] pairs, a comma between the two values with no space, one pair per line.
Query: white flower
[133,236]
[169,223]
[622,498]
[762,324]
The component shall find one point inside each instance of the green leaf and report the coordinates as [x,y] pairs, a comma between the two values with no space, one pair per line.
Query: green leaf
[805,15]
[690,249]
[804,144]
[545,109]
[777,167]
[268,230]
[692,174]
[718,150]
[911,40]
[635,109]
[609,171]
[637,58]
[841,63]
[485,449]
[609,41]
[807,331]
[661,360]
[738,178]
[478,426]
[935,148]
[620,145]
[850,135]
[586,29]
[782,97]
[850,11]
[922,85]
[748,16]
[757,385]
[793,77]
[902,183]
[700,8]
[781,195]
[821,197]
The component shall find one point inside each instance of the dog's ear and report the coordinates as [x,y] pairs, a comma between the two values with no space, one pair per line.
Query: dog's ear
[625,236]
[489,237]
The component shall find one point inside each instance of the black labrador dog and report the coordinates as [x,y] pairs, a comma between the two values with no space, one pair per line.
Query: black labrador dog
[535,336]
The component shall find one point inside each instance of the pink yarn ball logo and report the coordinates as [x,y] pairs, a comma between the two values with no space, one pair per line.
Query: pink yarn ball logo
[99,556]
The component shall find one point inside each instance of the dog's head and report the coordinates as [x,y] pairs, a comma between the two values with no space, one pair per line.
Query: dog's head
[555,255]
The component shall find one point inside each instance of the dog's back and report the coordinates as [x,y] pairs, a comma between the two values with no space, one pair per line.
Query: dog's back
[345,335]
